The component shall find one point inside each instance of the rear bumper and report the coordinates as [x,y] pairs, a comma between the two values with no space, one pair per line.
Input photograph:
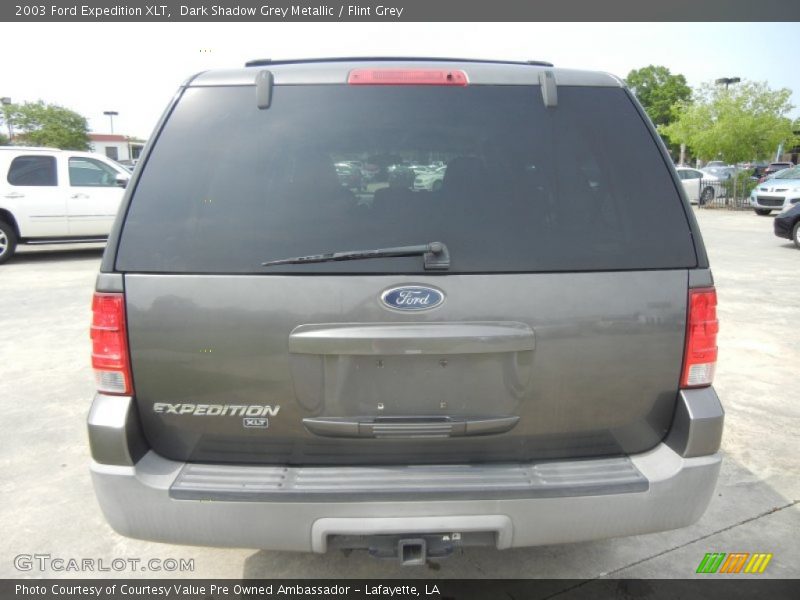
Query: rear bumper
[136,502]
[147,496]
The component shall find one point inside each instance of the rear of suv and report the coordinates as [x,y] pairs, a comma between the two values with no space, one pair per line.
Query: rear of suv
[523,355]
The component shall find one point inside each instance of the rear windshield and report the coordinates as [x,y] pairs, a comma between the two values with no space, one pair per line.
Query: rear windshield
[505,183]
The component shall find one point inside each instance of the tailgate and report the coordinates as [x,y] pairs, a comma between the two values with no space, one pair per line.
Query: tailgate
[317,370]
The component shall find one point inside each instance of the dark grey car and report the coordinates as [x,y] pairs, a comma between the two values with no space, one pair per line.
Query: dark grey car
[522,356]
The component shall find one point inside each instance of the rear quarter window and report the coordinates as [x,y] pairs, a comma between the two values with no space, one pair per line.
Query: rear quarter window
[33,171]
[507,184]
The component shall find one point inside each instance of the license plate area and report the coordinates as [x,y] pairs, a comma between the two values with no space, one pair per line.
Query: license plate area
[411,369]
[412,386]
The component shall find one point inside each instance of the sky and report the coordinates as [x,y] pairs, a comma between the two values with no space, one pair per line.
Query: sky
[135,68]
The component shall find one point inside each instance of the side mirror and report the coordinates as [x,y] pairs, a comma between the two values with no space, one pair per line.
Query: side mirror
[122,181]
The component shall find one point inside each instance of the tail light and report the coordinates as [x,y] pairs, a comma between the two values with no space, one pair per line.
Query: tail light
[110,344]
[700,359]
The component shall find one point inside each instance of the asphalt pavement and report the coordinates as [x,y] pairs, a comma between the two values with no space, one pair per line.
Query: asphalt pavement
[46,386]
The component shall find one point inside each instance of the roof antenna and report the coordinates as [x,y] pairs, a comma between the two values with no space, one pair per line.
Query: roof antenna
[547,81]
[264,82]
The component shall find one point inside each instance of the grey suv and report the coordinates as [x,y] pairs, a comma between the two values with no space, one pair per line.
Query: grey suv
[522,356]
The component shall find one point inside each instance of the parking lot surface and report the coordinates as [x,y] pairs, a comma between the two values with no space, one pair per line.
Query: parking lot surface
[46,386]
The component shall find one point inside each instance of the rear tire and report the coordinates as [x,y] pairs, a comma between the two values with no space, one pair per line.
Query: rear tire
[707,196]
[762,212]
[8,241]
[796,235]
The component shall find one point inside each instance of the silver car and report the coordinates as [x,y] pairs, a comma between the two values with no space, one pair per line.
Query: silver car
[701,186]
[777,192]
[430,179]
[524,356]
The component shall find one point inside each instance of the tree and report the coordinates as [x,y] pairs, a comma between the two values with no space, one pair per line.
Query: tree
[41,124]
[4,141]
[745,122]
[658,90]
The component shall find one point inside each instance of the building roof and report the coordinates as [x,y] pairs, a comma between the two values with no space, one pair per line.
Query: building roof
[107,137]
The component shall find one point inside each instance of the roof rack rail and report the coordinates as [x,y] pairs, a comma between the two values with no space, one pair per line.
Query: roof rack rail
[262,62]
[258,62]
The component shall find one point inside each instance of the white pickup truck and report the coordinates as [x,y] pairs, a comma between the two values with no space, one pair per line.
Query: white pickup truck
[53,196]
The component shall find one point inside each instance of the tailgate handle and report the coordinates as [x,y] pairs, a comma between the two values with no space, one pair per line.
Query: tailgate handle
[387,339]
[408,427]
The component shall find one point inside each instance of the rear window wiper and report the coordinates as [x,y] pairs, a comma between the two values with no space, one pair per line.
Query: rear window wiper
[435,256]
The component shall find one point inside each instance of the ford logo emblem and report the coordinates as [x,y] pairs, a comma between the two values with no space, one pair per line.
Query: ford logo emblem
[412,298]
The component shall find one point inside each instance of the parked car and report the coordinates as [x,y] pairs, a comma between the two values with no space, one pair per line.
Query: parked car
[756,168]
[773,168]
[430,179]
[777,192]
[523,357]
[787,224]
[772,175]
[370,171]
[701,187]
[56,196]
[350,175]
[128,165]
[404,172]
[715,164]
[720,173]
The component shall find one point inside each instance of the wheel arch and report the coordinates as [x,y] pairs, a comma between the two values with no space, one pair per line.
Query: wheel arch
[8,217]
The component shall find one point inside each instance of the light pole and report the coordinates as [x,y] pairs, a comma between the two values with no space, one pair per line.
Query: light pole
[6,101]
[111,114]
[726,81]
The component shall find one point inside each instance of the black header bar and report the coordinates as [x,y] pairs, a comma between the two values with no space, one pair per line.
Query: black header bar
[396,10]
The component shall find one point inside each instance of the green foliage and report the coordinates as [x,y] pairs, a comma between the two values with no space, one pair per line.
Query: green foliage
[740,185]
[4,141]
[745,122]
[40,124]
[658,90]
